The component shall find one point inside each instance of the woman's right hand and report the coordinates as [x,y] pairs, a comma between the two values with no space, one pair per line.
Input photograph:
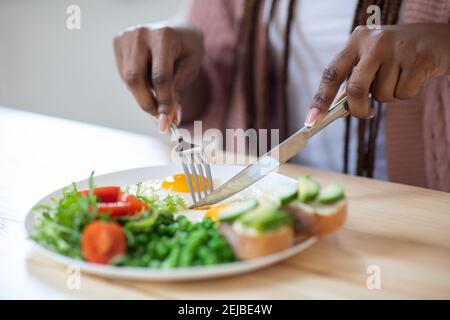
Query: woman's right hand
[158,64]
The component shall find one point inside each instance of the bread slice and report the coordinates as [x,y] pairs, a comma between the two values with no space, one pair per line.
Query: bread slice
[249,244]
[317,219]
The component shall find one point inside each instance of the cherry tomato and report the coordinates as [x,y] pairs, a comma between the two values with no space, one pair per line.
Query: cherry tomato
[116,203]
[101,241]
[116,209]
[136,204]
[105,194]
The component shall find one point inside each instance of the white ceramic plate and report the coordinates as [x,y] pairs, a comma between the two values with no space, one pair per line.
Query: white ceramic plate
[133,176]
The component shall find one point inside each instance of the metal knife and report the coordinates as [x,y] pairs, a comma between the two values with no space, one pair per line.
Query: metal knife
[274,158]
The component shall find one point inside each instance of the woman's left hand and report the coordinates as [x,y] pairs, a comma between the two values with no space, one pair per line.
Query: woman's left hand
[391,63]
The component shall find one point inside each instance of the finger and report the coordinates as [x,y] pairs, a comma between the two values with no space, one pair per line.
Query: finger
[173,115]
[333,76]
[186,70]
[118,53]
[179,115]
[358,87]
[385,83]
[139,86]
[134,60]
[173,112]
[162,73]
[164,56]
[409,84]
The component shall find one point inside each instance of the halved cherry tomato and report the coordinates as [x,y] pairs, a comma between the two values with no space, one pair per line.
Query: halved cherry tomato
[136,204]
[127,205]
[116,203]
[116,209]
[105,194]
[101,241]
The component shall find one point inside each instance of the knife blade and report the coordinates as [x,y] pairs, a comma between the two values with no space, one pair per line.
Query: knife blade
[274,158]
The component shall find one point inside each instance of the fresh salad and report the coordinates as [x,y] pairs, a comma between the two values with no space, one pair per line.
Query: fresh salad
[109,225]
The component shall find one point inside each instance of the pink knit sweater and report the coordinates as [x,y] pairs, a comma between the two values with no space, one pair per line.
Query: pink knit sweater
[417,130]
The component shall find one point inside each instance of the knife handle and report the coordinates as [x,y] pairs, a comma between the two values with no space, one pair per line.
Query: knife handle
[336,111]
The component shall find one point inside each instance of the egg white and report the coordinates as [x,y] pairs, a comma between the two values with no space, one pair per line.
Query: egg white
[197,215]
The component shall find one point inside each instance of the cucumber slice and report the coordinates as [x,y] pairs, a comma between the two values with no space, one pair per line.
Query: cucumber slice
[236,210]
[286,193]
[269,199]
[331,193]
[275,220]
[255,214]
[308,189]
[265,218]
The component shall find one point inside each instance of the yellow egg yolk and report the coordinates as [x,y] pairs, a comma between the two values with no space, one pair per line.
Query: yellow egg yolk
[214,211]
[179,183]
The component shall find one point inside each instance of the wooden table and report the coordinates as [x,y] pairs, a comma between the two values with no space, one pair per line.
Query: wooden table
[403,231]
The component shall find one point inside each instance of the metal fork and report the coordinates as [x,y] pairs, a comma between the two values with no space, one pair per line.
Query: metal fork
[194,164]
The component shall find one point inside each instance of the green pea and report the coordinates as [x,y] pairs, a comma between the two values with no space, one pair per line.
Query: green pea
[186,257]
[214,234]
[151,247]
[142,238]
[139,251]
[181,237]
[165,239]
[228,255]
[172,228]
[180,218]
[156,264]
[197,262]
[133,263]
[210,259]
[154,237]
[165,218]
[118,261]
[162,229]
[202,252]
[208,223]
[145,259]
[161,250]
[202,235]
[184,224]
[191,227]
[216,244]
[193,243]
[172,260]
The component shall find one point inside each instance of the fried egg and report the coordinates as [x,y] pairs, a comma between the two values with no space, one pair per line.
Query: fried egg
[178,185]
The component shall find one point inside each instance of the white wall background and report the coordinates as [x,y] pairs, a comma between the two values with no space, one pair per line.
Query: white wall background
[46,68]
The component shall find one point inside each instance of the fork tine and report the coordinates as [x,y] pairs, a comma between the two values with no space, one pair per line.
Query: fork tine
[208,172]
[195,176]
[202,175]
[188,178]
[194,164]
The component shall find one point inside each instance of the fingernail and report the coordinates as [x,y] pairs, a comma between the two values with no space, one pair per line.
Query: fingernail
[163,108]
[371,115]
[163,123]
[178,116]
[312,117]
